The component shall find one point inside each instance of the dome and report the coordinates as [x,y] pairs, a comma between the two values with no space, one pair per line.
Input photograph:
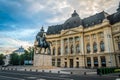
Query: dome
[73,21]
[117,14]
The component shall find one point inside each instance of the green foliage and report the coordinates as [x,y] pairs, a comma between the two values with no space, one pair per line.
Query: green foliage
[16,59]
[2,59]
[102,71]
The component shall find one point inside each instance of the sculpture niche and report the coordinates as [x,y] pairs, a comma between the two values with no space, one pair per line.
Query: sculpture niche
[41,43]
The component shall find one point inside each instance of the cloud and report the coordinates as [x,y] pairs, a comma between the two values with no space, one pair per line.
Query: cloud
[10,42]
[84,8]
[20,20]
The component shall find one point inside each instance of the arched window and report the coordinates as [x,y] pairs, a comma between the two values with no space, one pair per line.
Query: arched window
[59,51]
[102,47]
[88,48]
[71,49]
[77,48]
[66,50]
[94,47]
[53,51]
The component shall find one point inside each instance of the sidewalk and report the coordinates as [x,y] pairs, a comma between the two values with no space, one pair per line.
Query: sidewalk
[74,71]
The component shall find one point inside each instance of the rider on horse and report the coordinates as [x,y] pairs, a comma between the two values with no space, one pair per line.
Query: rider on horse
[41,38]
[41,41]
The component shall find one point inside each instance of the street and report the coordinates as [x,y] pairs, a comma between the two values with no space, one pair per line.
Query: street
[28,75]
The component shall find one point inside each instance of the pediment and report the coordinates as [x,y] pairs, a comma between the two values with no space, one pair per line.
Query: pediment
[69,32]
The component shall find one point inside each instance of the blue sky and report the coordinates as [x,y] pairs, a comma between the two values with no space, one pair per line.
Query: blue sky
[20,20]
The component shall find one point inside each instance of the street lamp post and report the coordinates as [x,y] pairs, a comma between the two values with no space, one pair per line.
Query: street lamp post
[109,37]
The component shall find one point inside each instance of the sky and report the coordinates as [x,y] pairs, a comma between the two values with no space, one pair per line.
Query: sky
[21,20]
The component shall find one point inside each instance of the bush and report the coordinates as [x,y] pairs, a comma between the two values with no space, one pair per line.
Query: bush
[107,70]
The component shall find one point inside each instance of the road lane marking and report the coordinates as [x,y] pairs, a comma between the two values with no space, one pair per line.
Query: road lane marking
[12,77]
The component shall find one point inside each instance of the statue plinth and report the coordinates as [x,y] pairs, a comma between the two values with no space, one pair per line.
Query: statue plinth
[42,59]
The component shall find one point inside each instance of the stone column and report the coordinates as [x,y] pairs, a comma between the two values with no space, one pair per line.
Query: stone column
[68,46]
[55,61]
[56,48]
[98,43]
[99,61]
[74,45]
[82,45]
[68,62]
[51,50]
[92,62]
[56,51]
[108,40]
[62,47]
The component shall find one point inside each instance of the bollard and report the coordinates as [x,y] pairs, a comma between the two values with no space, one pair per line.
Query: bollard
[58,72]
[50,71]
[30,69]
[36,70]
[84,73]
[71,72]
[42,70]
[16,69]
[8,69]
[25,70]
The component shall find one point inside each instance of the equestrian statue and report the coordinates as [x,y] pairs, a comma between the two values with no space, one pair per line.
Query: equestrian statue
[41,43]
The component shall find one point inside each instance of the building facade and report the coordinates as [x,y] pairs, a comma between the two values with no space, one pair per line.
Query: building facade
[89,42]
[19,51]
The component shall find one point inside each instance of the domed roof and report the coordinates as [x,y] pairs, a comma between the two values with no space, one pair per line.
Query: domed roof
[73,21]
[117,15]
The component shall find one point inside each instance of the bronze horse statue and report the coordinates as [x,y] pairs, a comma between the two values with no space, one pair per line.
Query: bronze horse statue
[41,42]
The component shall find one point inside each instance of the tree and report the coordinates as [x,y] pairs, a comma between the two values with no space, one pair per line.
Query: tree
[31,52]
[14,59]
[2,57]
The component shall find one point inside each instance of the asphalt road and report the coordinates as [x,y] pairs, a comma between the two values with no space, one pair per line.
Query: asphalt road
[27,75]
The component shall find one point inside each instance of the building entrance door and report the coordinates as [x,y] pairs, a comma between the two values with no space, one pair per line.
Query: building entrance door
[71,63]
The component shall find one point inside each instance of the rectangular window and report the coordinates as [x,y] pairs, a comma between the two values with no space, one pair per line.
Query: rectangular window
[53,62]
[88,61]
[95,61]
[103,61]
[58,62]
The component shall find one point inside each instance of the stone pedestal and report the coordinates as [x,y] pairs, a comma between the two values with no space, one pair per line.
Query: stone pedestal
[42,60]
